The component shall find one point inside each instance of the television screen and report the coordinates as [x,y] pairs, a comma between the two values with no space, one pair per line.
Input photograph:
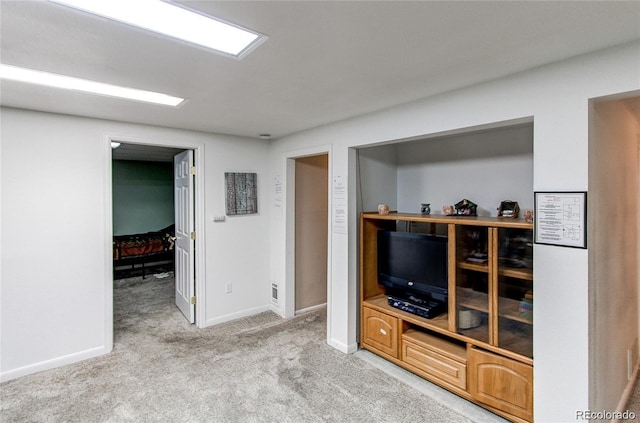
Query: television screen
[413,263]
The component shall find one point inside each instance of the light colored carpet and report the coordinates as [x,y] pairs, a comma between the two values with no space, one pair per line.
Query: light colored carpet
[257,369]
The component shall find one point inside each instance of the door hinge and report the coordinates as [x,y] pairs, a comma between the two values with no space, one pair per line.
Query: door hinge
[193,299]
[193,170]
[193,235]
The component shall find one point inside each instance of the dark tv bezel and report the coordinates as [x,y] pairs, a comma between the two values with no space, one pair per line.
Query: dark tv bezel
[423,289]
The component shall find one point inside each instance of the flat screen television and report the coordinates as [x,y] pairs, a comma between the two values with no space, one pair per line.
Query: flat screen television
[413,264]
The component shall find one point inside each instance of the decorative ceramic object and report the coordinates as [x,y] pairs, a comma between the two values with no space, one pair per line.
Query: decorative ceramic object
[468,319]
[528,216]
[425,208]
[383,209]
[466,208]
[448,210]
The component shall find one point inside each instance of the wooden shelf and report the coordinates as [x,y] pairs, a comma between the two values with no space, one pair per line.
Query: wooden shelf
[519,344]
[456,220]
[476,267]
[511,272]
[507,307]
[445,347]
[437,348]
[474,300]
[510,309]
[517,273]
[438,324]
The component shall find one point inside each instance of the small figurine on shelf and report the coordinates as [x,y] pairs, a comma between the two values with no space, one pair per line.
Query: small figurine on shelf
[528,216]
[448,210]
[425,208]
[466,208]
[383,209]
[509,208]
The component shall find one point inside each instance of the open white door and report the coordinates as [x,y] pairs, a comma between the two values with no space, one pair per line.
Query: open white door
[185,235]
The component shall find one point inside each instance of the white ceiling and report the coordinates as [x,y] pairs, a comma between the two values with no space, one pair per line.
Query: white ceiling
[324,61]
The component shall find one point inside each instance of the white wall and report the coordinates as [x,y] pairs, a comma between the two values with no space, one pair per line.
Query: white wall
[556,97]
[56,222]
[377,169]
[486,168]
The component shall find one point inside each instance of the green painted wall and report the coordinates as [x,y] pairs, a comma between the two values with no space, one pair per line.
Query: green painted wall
[142,196]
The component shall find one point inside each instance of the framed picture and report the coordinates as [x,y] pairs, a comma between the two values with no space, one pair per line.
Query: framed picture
[241,193]
[561,218]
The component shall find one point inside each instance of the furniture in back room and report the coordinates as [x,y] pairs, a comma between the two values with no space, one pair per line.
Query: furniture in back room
[139,254]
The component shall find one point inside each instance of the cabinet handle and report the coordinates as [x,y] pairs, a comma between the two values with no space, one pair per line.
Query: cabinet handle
[382,331]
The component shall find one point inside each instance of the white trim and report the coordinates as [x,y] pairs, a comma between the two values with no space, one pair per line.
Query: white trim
[199,154]
[288,303]
[108,246]
[288,299]
[344,348]
[277,310]
[310,309]
[54,363]
[237,315]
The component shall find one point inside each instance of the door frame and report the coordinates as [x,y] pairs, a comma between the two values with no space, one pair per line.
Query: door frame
[290,229]
[199,209]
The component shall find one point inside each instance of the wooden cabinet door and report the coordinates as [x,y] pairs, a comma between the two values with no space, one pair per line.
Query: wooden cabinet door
[501,383]
[380,331]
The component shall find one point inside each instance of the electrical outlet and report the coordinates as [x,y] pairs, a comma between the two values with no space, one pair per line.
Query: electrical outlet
[228,288]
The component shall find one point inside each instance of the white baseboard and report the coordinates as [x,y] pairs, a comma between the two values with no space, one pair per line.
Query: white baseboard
[312,308]
[237,315]
[53,363]
[277,310]
[342,347]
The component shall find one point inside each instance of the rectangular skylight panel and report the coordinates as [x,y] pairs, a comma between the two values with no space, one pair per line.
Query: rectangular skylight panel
[173,21]
[31,76]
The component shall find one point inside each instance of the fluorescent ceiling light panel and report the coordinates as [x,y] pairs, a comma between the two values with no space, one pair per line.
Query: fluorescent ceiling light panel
[174,21]
[70,83]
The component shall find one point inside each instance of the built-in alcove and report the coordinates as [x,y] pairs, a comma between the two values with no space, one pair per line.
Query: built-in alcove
[485,166]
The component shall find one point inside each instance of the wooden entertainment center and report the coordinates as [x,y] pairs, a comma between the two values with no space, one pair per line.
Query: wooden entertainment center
[481,348]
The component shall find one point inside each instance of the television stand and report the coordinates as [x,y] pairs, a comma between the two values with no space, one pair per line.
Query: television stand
[479,345]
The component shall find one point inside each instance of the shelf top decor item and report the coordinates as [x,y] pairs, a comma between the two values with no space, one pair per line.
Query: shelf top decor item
[383,209]
[466,207]
[509,208]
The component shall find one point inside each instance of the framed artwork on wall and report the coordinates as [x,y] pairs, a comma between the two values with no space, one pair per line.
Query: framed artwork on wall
[241,192]
[561,218]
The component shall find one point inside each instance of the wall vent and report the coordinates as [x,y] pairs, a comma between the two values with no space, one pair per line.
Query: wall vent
[274,293]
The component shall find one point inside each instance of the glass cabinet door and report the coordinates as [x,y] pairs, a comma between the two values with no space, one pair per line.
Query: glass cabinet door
[515,290]
[472,281]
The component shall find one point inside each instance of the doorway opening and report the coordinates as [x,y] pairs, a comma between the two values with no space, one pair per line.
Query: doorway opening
[316,162]
[153,201]
[614,248]
[311,240]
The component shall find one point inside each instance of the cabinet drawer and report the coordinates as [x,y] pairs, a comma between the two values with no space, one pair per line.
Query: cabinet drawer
[435,364]
[501,383]
[380,331]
